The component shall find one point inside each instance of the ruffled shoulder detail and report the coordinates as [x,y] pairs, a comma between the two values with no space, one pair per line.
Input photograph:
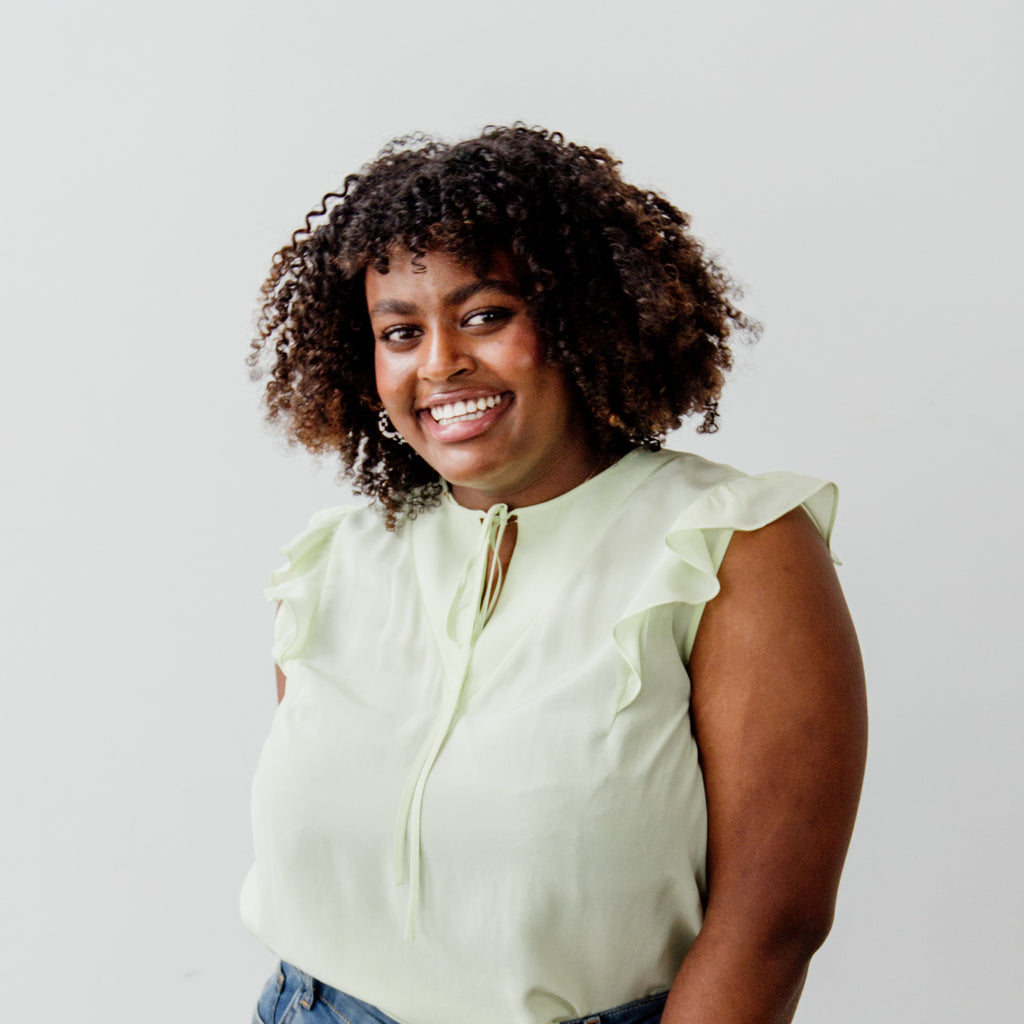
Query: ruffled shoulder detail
[695,544]
[298,584]
[750,502]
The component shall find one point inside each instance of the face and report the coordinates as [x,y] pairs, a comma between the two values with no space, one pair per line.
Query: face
[462,375]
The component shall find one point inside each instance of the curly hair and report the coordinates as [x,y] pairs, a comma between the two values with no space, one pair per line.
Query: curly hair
[619,291]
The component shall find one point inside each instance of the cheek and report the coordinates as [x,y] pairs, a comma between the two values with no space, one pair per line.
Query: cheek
[551,380]
[560,398]
[525,363]
[383,375]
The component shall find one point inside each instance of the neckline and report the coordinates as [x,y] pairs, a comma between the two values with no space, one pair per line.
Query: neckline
[552,538]
[539,509]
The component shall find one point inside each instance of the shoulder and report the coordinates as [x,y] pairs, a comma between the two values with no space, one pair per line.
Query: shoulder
[668,468]
[698,494]
[787,558]
[779,606]
[308,553]
[339,522]
[346,543]
[311,542]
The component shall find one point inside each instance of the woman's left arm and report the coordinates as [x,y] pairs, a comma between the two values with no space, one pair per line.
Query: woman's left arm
[780,718]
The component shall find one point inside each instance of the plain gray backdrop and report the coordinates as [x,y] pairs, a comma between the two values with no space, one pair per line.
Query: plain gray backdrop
[858,166]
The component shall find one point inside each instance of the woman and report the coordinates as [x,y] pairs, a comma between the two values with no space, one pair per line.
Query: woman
[572,728]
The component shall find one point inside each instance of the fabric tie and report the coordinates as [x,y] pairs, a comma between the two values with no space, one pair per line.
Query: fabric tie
[476,596]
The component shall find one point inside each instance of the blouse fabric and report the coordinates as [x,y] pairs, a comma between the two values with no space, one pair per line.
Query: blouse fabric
[476,809]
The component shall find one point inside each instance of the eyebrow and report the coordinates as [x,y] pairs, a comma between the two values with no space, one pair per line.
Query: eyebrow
[455,298]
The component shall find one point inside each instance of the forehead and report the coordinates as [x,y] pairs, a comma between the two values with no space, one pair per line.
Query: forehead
[436,277]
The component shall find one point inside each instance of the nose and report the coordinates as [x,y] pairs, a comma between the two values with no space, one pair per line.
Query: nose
[445,354]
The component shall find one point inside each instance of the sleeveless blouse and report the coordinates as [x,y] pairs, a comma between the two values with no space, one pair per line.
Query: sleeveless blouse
[477,808]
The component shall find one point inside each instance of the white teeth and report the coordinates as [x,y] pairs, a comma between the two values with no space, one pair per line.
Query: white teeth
[459,412]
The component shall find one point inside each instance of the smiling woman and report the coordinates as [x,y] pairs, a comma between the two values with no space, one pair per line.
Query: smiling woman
[571,727]
[621,296]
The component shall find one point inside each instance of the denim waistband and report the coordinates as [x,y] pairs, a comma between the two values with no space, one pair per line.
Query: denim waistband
[645,1010]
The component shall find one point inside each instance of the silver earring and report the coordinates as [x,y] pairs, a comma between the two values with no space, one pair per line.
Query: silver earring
[387,428]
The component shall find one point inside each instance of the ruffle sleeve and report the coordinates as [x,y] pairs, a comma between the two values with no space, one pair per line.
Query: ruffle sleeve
[298,584]
[687,574]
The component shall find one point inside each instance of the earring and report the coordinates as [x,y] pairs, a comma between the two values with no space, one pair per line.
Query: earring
[387,428]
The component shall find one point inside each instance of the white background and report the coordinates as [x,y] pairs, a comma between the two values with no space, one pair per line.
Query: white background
[858,165]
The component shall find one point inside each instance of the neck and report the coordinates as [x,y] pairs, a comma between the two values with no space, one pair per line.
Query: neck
[573,470]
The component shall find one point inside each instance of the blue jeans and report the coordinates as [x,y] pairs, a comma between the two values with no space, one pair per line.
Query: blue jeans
[293,997]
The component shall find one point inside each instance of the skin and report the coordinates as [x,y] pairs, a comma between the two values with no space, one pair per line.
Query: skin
[778,704]
[780,718]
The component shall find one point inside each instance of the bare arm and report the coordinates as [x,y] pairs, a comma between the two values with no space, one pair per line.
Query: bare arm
[780,718]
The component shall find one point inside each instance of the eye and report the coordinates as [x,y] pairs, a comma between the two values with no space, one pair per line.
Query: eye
[400,334]
[493,316]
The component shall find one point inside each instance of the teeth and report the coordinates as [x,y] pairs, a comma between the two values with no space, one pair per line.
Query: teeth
[460,412]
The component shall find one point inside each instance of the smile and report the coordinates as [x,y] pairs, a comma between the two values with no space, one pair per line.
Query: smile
[464,412]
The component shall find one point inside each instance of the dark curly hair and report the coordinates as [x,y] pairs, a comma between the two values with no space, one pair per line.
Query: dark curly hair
[619,291]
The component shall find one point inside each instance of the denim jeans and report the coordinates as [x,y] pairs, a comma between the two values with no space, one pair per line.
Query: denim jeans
[293,997]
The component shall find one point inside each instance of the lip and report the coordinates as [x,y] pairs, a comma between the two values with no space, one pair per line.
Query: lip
[464,430]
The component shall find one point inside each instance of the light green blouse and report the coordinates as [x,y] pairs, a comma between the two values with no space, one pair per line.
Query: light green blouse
[471,809]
